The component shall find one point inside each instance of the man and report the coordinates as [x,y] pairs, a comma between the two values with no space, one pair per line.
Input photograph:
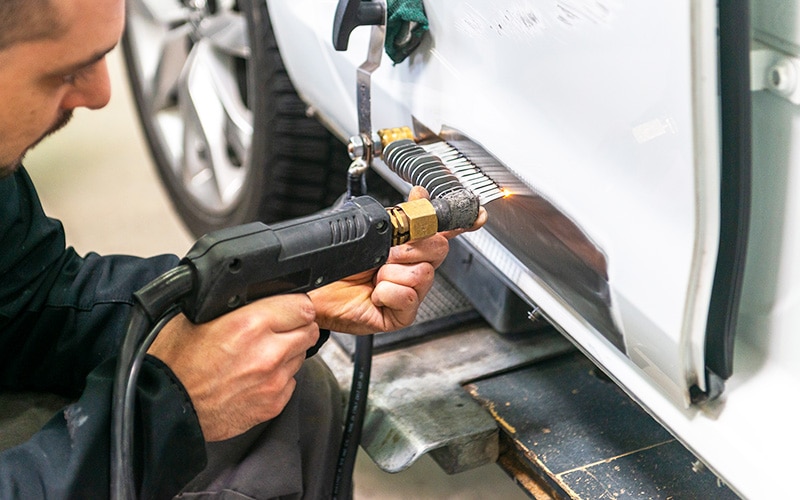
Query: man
[230,408]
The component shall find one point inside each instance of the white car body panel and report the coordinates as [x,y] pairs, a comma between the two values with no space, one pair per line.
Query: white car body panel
[609,110]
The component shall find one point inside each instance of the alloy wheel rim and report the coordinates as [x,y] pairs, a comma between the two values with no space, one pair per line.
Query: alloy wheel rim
[191,58]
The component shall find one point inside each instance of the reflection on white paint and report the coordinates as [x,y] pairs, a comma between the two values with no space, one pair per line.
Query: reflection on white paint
[652,129]
[527,19]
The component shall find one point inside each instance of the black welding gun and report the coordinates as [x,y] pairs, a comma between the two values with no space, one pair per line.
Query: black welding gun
[231,267]
[228,268]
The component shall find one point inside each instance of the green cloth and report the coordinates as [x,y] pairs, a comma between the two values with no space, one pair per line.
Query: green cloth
[406,24]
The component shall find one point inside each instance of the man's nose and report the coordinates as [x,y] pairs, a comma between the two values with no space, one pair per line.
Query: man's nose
[91,90]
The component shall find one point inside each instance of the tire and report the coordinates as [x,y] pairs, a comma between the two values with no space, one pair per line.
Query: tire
[227,131]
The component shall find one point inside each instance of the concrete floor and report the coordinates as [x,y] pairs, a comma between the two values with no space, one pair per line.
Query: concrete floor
[97,177]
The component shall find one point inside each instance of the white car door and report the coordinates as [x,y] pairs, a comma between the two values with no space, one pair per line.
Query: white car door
[604,120]
[621,130]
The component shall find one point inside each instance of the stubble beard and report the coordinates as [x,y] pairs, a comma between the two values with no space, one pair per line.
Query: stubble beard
[61,122]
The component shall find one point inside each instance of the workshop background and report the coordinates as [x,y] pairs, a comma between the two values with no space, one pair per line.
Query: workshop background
[96,175]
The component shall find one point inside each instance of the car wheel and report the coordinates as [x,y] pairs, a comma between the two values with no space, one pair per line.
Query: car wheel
[228,133]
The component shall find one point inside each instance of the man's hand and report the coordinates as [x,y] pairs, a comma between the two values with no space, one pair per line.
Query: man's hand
[239,368]
[388,298]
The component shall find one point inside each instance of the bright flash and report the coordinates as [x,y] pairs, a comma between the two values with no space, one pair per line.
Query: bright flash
[506,193]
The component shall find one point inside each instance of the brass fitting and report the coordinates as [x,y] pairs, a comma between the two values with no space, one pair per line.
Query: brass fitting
[412,220]
[388,135]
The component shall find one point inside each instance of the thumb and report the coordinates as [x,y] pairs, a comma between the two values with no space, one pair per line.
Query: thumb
[418,192]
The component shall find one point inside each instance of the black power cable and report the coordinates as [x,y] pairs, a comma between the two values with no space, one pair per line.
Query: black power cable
[362,367]
[354,420]
[155,304]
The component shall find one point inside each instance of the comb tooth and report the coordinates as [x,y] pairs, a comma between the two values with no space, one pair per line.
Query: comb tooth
[485,190]
[459,165]
[473,175]
[465,171]
[487,186]
[462,171]
[475,179]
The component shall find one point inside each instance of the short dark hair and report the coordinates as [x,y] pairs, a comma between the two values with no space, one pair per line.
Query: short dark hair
[27,20]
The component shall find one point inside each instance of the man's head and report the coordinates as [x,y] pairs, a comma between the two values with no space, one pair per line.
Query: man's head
[52,60]
[26,20]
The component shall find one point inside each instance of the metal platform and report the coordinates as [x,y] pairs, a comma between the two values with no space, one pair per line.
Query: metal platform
[576,434]
[417,403]
[467,395]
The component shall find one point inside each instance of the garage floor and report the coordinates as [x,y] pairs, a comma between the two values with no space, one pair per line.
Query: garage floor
[96,176]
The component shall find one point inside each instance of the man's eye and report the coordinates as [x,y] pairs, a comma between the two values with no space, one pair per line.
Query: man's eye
[71,78]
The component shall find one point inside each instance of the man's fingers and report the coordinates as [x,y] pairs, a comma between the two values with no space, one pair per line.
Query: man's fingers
[282,313]
[412,275]
[432,249]
[403,301]
[401,286]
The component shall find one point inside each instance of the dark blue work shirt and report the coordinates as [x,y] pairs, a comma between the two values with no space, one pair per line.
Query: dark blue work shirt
[62,318]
